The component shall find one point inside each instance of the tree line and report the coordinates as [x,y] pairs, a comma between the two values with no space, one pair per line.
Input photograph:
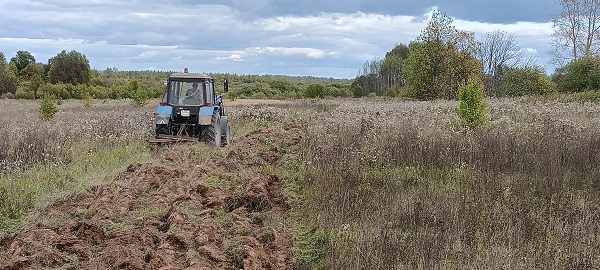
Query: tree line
[443,58]
[68,75]
[435,65]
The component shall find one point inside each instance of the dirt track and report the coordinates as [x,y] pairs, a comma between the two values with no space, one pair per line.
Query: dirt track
[192,212]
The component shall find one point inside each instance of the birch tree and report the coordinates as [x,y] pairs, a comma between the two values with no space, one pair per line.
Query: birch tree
[576,30]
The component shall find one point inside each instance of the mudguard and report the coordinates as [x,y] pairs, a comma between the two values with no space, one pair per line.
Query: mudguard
[205,115]
[223,124]
[164,110]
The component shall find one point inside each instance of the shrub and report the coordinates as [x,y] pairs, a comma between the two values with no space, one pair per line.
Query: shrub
[525,81]
[471,108]
[8,96]
[356,90]
[24,91]
[393,91]
[259,95]
[88,101]
[140,98]
[338,91]
[589,96]
[580,75]
[314,90]
[48,107]
[56,90]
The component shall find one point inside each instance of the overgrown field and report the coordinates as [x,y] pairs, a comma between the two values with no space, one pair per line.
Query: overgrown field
[84,146]
[367,184]
[397,185]
[85,191]
[41,161]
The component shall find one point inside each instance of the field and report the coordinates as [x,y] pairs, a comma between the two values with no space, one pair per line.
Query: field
[328,184]
[399,186]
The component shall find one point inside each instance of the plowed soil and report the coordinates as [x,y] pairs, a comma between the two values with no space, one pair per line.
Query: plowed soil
[202,208]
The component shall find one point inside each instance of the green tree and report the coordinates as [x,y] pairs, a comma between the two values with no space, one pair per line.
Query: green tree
[72,67]
[471,107]
[34,74]
[392,67]
[3,63]
[22,60]
[442,59]
[8,77]
[140,96]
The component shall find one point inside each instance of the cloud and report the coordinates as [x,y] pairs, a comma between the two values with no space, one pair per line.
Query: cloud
[233,57]
[317,38]
[148,54]
[308,52]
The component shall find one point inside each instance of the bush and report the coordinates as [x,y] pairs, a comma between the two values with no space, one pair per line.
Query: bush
[8,96]
[356,90]
[88,101]
[56,90]
[140,97]
[525,81]
[48,107]
[99,92]
[24,91]
[578,76]
[393,91]
[471,108]
[258,95]
[587,96]
[314,90]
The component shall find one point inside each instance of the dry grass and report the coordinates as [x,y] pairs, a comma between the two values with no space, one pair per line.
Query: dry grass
[395,185]
[28,141]
[83,145]
[41,161]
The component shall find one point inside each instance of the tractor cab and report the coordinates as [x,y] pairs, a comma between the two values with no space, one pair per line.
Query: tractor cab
[186,90]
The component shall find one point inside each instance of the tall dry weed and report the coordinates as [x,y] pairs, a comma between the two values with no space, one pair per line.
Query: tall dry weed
[394,186]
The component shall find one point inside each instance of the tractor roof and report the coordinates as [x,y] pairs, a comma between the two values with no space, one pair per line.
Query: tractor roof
[189,76]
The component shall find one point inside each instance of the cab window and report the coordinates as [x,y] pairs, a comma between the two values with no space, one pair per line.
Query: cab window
[186,93]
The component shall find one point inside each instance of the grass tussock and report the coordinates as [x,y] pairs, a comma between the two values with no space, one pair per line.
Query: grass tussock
[397,186]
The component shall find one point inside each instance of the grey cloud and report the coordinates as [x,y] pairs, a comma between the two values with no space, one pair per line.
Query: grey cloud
[493,11]
[317,38]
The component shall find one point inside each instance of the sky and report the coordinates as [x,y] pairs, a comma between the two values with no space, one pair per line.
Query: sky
[321,38]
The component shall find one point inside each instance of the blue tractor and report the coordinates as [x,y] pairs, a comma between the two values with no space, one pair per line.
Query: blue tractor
[190,111]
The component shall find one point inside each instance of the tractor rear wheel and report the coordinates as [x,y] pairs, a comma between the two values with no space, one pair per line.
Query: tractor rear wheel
[212,133]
